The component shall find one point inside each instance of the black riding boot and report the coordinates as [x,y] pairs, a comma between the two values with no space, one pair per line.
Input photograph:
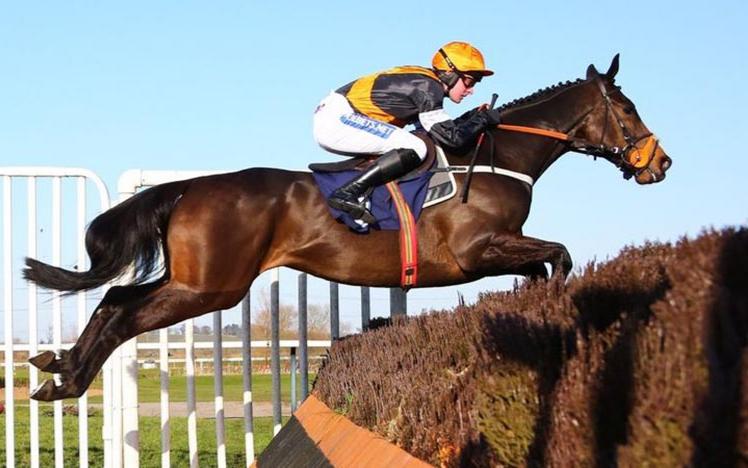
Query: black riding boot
[388,167]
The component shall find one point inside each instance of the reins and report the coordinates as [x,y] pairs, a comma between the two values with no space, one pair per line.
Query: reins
[577,145]
[535,131]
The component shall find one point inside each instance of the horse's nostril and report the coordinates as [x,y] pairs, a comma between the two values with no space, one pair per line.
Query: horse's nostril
[666,163]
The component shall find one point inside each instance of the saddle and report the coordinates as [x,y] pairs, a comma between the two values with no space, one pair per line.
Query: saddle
[361,162]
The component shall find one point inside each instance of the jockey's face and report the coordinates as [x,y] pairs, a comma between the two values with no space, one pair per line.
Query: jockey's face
[462,89]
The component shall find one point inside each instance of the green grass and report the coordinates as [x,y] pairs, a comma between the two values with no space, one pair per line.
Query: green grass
[149,390]
[149,387]
[150,427]
[150,440]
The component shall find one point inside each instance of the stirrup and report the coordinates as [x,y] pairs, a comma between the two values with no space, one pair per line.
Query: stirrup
[357,211]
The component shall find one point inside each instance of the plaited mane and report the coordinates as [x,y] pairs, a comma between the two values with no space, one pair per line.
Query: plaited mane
[540,94]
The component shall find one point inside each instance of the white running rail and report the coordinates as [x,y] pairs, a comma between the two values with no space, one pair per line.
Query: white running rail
[32,175]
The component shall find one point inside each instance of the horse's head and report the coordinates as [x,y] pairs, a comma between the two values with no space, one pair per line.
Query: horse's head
[623,138]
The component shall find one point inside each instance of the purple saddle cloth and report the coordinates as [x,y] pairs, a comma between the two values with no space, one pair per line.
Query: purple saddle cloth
[382,207]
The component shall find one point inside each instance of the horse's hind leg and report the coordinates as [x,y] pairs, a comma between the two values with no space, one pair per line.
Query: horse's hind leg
[163,307]
[204,241]
[67,360]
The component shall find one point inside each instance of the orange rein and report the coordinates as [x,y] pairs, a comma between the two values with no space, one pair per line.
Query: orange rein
[535,131]
[639,159]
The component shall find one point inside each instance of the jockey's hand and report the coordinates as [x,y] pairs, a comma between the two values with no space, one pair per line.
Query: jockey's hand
[492,116]
[483,107]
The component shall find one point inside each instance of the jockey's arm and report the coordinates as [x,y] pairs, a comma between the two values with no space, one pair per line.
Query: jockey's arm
[454,133]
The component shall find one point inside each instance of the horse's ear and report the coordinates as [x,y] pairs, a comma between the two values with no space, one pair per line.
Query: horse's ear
[592,72]
[611,73]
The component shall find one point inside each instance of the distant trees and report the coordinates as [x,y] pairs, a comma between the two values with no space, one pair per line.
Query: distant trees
[318,323]
[232,329]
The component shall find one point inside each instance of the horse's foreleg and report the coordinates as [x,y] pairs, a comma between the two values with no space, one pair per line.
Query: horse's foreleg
[165,306]
[533,271]
[514,254]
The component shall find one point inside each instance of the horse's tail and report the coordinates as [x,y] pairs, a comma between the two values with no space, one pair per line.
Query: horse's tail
[130,233]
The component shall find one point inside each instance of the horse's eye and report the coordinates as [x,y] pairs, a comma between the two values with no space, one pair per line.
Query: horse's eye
[628,110]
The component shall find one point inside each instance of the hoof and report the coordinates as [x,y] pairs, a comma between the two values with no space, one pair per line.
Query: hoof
[45,392]
[46,362]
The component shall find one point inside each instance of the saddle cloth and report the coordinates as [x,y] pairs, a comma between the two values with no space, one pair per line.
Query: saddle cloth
[421,188]
[380,201]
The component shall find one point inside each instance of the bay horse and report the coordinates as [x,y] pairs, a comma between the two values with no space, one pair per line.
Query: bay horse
[218,233]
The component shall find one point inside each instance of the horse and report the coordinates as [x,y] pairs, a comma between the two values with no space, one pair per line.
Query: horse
[218,233]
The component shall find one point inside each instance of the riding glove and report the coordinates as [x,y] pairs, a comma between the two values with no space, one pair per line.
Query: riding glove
[493,117]
[459,132]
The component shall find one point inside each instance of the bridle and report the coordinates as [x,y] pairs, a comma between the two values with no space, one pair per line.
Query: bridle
[630,159]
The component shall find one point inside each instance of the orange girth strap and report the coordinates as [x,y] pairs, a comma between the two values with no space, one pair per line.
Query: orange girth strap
[408,238]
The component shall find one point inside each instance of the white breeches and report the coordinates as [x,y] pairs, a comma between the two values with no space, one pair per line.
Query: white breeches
[340,129]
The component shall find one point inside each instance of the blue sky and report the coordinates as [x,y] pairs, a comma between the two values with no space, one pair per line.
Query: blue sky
[227,85]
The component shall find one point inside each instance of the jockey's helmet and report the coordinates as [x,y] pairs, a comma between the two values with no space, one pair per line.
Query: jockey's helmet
[457,58]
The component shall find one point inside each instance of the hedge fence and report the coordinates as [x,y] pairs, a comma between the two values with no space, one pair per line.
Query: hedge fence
[637,361]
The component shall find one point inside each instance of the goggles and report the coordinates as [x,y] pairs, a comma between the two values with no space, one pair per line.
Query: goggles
[469,80]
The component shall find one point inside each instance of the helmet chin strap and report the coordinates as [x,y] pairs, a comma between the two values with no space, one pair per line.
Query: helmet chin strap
[448,60]
[449,78]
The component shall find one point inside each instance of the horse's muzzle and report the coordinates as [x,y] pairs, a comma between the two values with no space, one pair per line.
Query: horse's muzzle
[655,170]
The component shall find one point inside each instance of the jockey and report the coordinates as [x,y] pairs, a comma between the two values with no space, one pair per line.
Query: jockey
[367,116]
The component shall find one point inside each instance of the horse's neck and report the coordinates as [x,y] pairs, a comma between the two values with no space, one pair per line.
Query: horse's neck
[532,155]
